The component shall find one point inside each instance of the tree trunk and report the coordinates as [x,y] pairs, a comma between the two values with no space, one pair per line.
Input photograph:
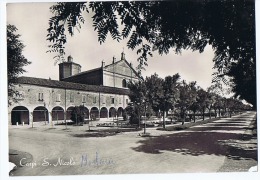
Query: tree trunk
[203,114]
[164,119]
[215,113]
[183,118]
[209,113]
[194,112]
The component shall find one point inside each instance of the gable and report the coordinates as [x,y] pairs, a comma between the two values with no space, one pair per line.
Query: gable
[121,67]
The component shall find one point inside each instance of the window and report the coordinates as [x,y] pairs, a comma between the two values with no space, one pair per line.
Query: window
[19,95]
[84,99]
[126,101]
[120,100]
[71,97]
[40,97]
[112,100]
[124,84]
[103,99]
[58,98]
[94,99]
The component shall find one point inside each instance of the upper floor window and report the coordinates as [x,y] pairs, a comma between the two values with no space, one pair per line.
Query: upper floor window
[124,84]
[58,98]
[103,99]
[126,101]
[40,97]
[112,100]
[71,97]
[19,95]
[84,98]
[94,99]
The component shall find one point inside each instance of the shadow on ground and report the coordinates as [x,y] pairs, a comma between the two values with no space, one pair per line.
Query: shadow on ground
[105,132]
[201,140]
[200,143]
[16,156]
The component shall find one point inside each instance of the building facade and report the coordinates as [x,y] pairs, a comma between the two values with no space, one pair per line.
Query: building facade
[102,91]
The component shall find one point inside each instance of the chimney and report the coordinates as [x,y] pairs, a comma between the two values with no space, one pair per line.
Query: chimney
[103,63]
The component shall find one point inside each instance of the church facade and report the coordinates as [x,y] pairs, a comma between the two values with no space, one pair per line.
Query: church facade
[102,91]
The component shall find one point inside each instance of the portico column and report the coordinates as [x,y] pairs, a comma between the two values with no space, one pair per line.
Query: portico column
[50,118]
[31,118]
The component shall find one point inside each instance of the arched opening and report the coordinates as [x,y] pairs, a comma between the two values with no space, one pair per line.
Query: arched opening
[19,115]
[120,112]
[86,113]
[40,113]
[57,113]
[124,84]
[68,112]
[94,113]
[112,112]
[103,112]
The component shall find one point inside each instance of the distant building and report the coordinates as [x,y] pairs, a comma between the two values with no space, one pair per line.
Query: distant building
[103,92]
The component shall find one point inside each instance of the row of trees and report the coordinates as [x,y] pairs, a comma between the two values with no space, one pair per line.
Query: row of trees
[155,94]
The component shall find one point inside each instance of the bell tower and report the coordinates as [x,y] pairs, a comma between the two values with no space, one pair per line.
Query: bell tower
[68,68]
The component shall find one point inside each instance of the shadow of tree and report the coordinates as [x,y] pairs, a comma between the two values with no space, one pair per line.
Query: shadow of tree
[105,132]
[226,128]
[199,143]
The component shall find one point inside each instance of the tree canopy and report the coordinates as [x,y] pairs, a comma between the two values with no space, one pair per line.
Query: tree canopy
[228,26]
[15,60]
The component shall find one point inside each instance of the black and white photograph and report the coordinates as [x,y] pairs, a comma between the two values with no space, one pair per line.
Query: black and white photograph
[131,87]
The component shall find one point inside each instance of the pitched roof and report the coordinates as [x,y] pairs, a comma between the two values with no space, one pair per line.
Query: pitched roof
[127,65]
[100,68]
[69,85]
[82,73]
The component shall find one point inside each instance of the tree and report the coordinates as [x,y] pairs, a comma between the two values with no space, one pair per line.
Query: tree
[78,114]
[15,61]
[228,26]
[154,93]
[170,94]
[202,101]
[196,104]
[137,97]
[187,98]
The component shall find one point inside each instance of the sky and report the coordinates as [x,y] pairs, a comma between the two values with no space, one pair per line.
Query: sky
[31,19]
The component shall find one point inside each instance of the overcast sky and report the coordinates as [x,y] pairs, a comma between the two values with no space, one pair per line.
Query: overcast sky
[31,19]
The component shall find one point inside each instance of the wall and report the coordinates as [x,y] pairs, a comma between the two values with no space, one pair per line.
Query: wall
[54,97]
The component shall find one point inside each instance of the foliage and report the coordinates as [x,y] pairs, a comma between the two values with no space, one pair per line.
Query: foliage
[78,114]
[137,96]
[228,26]
[154,93]
[15,61]
[187,98]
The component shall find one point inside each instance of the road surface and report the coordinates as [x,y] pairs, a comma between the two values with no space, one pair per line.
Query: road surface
[225,145]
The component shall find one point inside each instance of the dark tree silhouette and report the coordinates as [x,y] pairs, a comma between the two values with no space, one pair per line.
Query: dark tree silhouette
[15,61]
[228,26]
